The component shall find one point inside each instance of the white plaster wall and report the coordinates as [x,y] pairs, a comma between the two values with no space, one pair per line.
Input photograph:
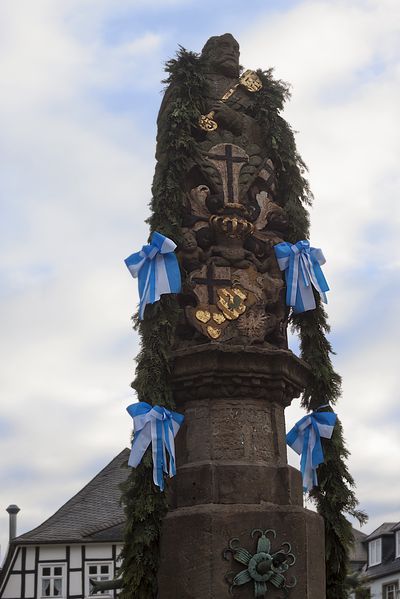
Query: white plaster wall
[50,552]
[376,585]
[118,561]
[29,585]
[76,556]
[13,588]
[75,583]
[99,551]
[17,565]
[30,558]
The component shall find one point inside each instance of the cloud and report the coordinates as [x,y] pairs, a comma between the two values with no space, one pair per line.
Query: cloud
[345,120]
[77,160]
[343,62]
[74,177]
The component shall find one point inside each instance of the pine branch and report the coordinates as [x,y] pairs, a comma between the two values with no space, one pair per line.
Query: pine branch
[334,496]
[145,506]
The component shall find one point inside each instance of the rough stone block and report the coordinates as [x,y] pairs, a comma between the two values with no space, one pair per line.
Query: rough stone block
[198,570]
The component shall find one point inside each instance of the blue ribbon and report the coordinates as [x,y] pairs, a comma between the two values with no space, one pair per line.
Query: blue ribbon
[305,439]
[158,426]
[302,266]
[157,269]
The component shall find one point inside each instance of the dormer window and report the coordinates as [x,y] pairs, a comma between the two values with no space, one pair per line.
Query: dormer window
[397,543]
[374,552]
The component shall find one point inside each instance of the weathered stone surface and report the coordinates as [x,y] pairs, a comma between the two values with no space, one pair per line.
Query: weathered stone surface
[194,539]
[215,370]
[231,215]
[231,482]
[232,472]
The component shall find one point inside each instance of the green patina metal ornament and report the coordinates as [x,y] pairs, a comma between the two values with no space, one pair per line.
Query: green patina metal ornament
[265,567]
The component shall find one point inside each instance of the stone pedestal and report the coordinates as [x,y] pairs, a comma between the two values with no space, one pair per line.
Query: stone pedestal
[233,475]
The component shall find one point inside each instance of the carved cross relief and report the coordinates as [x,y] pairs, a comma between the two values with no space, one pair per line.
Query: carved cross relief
[224,276]
[228,159]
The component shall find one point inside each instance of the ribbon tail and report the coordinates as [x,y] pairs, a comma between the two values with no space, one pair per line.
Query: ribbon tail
[316,259]
[173,273]
[317,452]
[319,282]
[164,441]
[170,445]
[307,466]
[292,279]
[305,292]
[304,459]
[157,451]
[305,267]
[141,441]
[146,285]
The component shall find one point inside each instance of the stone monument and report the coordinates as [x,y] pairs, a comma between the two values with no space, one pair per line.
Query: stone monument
[236,522]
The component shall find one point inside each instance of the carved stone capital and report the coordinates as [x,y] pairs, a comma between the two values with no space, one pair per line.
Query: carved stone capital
[220,371]
[233,399]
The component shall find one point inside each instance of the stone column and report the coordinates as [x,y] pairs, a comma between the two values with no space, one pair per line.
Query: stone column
[233,475]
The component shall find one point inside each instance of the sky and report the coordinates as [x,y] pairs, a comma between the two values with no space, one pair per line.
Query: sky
[80,94]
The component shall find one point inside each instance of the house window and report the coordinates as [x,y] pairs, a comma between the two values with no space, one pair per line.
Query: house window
[375,552]
[389,590]
[398,543]
[52,580]
[98,571]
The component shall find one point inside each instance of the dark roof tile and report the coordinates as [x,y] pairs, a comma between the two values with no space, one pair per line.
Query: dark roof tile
[94,509]
[384,529]
[391,567]
[358,552]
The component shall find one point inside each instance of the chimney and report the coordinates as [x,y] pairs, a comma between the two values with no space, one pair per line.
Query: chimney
[13,511]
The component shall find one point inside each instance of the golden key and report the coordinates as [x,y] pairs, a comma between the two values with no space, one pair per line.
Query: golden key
[249,79]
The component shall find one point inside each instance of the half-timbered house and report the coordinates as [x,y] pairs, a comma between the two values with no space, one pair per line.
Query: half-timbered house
[81,541]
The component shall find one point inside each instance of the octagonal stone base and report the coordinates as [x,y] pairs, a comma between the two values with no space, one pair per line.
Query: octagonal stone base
[232,473]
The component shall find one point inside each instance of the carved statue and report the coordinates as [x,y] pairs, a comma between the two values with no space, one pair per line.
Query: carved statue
[234,290]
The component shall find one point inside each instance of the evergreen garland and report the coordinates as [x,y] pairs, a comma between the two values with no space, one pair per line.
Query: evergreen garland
[293,191]
[145,506]
[334,496]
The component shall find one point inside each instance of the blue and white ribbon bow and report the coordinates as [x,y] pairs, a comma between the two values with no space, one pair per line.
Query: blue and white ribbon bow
[305,439]
[159,427]
[157,269]
[302,266]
